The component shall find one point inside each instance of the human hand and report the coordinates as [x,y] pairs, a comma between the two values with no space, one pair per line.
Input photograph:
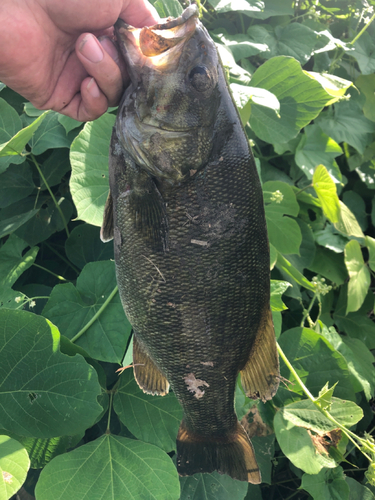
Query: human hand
[51,56]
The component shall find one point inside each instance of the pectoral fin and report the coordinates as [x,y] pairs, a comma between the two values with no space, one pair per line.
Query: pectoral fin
[147,375]
[150,216]
[260,376]
[106,231]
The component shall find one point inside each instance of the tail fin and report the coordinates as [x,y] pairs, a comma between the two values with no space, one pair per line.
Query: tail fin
[232,454]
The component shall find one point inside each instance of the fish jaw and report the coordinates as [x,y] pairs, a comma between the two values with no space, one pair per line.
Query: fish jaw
[157,47]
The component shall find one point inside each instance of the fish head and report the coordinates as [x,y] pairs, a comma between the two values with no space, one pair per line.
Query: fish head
[167,117]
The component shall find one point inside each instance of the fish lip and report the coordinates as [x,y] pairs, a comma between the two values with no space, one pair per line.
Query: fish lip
[148,46]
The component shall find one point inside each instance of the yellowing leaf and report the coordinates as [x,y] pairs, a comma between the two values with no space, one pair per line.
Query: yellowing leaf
[370,243]
[326,190]
[333,85]
[359,276]
[347,223]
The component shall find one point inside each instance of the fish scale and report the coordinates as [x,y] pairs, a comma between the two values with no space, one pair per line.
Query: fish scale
[191,247]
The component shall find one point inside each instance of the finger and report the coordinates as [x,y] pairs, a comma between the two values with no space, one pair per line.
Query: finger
[139,14]
[88,104]
[100,65]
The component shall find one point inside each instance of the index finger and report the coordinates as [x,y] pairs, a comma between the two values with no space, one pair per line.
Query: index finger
[139,13]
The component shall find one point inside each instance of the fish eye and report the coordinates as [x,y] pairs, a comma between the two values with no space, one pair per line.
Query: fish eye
[200,78]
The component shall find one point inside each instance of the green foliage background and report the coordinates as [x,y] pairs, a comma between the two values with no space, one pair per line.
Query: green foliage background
[302,74]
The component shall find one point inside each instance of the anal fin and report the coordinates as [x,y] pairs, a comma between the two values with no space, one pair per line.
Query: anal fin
[260,377]
[147,375]
[231,454]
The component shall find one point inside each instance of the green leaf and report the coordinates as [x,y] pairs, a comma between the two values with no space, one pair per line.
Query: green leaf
[324,400]
[359,274]
[358,490]
[111,467]
[370,244]
[306,250]
[277,289]
[84,245]
[325,188]
[283,232]
[300,446]
[46,221]
[305,414]
[15,184]
[356,204]
[236,73]
[294,40]
[240,45]
[68,123]
[347,223]
[9,225]
[10,124]
[330,265]
[273,256]
[286,267]
[301,100]
[16,145]
[50,134]
[330,239]
[168,8]
[246,98]
[345,122]
[317,148]
[316,361]
[13,260]
[212,487]
[366,84]
[89,159]
[43,393]
[364,49]
[71,309]
[242,6]
[14,464]
[334,85]
[54,168]
[152,419]
[328,484]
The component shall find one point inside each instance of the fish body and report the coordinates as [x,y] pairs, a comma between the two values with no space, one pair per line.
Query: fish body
[191,249]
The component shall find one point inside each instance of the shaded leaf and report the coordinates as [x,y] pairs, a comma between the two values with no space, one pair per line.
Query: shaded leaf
[327,485]
[54,168]
[50,134]
[10,124]
[43,393]
[212,487]
[84,245]
[277,289]
[366,84]
[246,98]
[72,309]
[286,267]
[14,464]
[364,53]
[153,419]
[9,225]
[317,148]
[13,260]
[345,122]
[16,183]
[89,159]
[111,467]
[330,265]
[359,274]
[358,490]
[370,243]
[240,45]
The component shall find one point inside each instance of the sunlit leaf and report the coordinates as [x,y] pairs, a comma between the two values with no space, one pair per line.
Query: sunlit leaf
[359,274]
[326,190]
[14,464]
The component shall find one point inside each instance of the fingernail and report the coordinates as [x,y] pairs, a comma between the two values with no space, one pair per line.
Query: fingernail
[109,47]
[91,49]
[93,88]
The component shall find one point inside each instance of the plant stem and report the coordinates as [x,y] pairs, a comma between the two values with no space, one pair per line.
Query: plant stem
[362,30]
[306,312]
[108,431]
[61,278]
[96,315]
[351,436]
[51,193]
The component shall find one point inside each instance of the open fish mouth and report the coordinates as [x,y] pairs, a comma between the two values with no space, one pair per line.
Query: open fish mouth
[157,46]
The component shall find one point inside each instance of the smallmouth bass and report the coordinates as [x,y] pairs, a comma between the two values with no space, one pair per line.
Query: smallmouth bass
[186,214]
